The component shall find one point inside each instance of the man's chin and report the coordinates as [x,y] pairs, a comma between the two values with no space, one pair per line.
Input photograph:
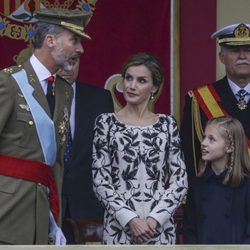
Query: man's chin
[67,67]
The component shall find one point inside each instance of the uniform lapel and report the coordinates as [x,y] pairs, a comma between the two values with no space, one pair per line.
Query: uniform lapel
[38,91]
[59,100]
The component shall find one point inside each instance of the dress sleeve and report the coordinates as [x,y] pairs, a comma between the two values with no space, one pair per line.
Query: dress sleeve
[102,173]
[177,189]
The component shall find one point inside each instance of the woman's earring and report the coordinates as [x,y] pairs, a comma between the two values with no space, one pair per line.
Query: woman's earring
[151,96]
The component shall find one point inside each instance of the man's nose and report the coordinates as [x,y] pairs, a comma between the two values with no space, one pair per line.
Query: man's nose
[242,53]
[79,48]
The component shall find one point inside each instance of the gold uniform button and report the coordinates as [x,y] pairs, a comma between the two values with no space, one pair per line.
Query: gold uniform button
[31,123]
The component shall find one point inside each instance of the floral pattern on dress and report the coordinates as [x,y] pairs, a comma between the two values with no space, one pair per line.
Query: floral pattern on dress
[138,171]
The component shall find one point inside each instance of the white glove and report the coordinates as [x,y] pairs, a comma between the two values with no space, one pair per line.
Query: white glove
[60,238]
[56,236]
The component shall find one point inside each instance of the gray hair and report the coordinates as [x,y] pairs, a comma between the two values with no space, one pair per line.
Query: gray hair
[42,29]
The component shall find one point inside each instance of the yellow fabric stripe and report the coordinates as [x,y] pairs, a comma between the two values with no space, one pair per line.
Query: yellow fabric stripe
[210,101]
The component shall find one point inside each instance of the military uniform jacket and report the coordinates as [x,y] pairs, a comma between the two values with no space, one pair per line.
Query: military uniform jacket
[24,213]
[190,140]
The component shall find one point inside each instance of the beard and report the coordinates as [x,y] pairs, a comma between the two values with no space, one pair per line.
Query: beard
[66,66]
[61,60]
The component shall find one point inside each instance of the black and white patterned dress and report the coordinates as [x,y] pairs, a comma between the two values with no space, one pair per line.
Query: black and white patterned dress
[138,171]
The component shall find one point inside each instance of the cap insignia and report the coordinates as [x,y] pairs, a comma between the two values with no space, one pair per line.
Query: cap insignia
[241,31]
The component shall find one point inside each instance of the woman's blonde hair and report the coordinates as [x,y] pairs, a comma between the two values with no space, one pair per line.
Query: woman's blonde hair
[239,161]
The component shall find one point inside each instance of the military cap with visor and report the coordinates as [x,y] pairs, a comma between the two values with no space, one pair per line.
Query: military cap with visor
[233,35]
[73,20]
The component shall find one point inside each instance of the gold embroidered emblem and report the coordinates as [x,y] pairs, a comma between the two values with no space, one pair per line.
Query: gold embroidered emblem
[31,79]
[241,31]
[63,127]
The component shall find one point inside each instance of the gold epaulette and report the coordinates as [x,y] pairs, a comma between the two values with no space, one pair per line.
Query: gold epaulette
[12,69]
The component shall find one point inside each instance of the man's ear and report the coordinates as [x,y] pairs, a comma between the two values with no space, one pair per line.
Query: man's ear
[50,40]
[221,56]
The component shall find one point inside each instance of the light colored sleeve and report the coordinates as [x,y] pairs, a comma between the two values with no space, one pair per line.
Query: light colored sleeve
[102,172]
[178,185]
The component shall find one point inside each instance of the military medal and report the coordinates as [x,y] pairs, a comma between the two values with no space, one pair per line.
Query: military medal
[242,104]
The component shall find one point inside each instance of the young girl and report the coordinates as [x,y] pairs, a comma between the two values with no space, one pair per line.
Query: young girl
[218,204]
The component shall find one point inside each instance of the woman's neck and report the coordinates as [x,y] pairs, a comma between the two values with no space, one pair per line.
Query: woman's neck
[136,115]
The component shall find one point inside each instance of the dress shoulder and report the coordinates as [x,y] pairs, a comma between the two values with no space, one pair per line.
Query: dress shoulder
[168,118]
[105,117]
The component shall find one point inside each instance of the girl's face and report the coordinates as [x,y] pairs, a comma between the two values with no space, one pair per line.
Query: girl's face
[138,85]
[214,147]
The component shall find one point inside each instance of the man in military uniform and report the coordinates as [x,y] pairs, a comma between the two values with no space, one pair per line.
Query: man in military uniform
[228,96]
[33,133]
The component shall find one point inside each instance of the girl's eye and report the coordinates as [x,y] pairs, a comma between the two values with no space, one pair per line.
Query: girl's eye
[211,139]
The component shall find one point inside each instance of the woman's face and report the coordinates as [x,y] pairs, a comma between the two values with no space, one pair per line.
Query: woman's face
[138,85]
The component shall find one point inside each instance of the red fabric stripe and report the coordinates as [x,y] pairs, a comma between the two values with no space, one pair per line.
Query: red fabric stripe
[206,110]
[202,104]
[34,171]
[25,169]
[248,143]
[214,93]
[216,97]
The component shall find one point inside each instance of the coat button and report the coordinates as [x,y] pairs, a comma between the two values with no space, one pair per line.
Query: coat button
[31,123]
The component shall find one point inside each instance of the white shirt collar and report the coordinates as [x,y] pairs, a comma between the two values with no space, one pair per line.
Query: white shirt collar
[41,71]
[235,88]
